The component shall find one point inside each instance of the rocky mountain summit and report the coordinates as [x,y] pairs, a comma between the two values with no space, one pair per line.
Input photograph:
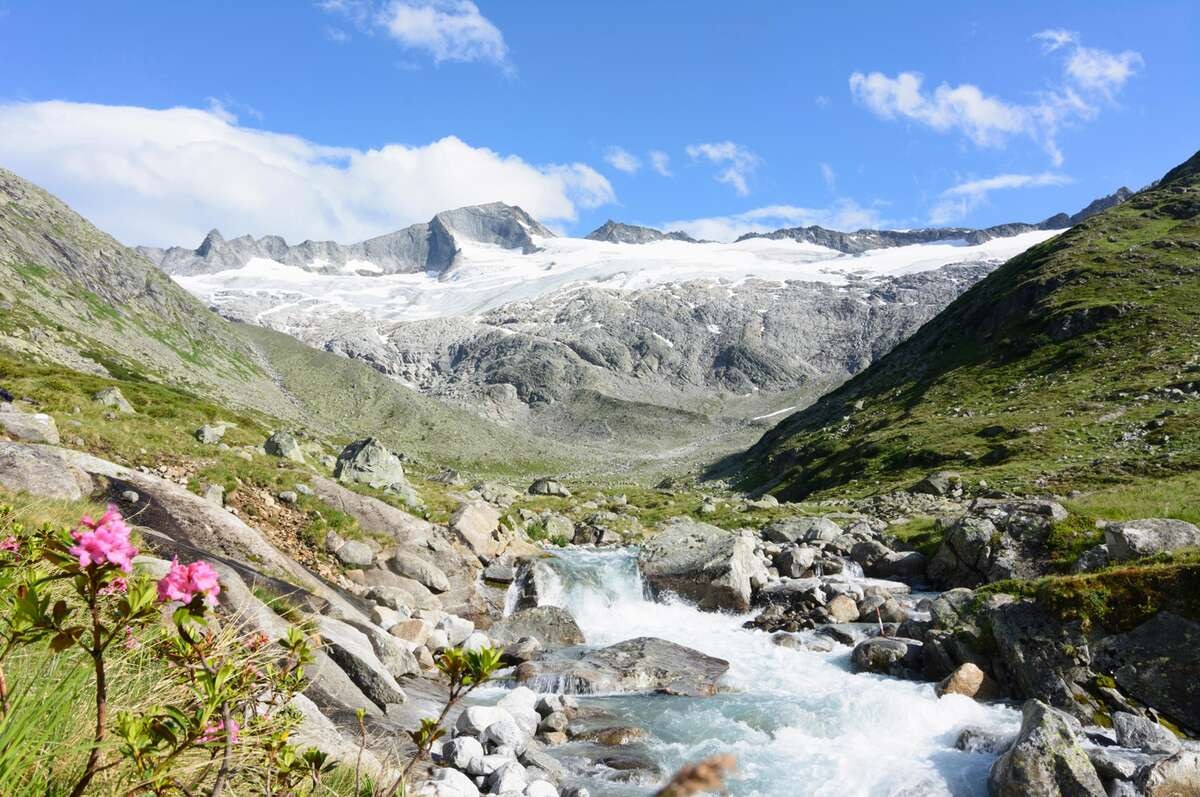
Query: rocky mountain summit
[865,240]
[428,247]
[618,233]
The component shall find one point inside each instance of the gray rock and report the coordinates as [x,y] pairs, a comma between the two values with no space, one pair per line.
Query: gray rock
[352,651]
[795,560]
[214,494]
[1114,763]
[355,554]
[549,487]
[459,784]
[886,656]
[1139,733]
[510,777]
[284,444]
[29,427]
[474,720]
[1156,664]
[710,566]
[942,483]
[1094,558]
[464,754]
[410,565]
[504,733]
[1046,760]
[37,471]
[210,434]
[396,658]
[475,523]
[113,397]
[457,629]
[1133,539]
[288,497]
[644,664]
[369,462]
[982,740]
[1176,776]
[811,529]
[551,626]
[1039,655]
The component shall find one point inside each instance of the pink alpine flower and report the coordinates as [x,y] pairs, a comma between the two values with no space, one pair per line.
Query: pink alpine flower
[131,642]
[104,541]
[215,729]
[118,586]
[10,544]
[184,582]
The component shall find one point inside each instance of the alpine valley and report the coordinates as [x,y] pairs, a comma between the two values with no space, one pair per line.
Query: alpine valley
[476,508]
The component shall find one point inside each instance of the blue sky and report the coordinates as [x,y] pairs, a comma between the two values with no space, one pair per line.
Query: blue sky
[347,118]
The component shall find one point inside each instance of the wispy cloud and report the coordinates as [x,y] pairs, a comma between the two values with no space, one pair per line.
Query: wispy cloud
[845,214]
[736,162]
[1089,76]
[446,30]
[660,162]
[959,200]
[829,176]
[167,176]
[336,35]
[622,160]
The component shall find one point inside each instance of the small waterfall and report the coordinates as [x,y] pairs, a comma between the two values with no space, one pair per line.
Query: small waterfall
[799,721]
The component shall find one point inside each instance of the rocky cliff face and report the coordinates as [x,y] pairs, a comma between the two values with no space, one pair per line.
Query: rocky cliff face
[430,246]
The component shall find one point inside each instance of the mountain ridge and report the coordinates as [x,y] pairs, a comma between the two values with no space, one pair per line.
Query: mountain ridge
[1067,365]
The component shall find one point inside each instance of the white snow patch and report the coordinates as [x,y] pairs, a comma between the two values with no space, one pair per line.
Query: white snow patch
[773,414]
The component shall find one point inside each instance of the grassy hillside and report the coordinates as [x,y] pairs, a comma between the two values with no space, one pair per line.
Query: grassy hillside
[1075,364]
[75,302]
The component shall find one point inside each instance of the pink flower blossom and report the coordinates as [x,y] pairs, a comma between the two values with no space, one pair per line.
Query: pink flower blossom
[184,582]
[131,642]
[10,544]
[214,729]
[104,541]
[118,586]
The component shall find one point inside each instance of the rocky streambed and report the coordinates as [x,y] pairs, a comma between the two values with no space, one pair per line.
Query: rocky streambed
[669,683]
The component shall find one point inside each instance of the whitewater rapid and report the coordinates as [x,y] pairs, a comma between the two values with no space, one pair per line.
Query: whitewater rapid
[799,722]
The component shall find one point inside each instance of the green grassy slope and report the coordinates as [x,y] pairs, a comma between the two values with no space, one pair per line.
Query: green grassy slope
[75,301]
[1075,364]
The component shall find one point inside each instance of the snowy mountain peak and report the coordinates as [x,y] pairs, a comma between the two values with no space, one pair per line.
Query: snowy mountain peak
[619,233]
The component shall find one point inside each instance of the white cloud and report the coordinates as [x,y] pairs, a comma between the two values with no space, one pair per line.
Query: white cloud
[957,201]
[829,176]
[822,101]
[448,30]
[738,162]
[336,35]
[622,160]
[844,214]
[167,176]
[1089,75]
[660,162]
[1102,71]
[1055,39]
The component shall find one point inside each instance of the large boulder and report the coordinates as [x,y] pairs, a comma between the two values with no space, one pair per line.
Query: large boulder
[369,462]
[411,565]
[802,529]
[1133,539]
[644,664]
[284,444]
[1139,733]
[114,398]
[1038,655]
[29,427]
[475,523]
[353,652]
[1157,664]
[41,472]
[549,487]
[943,483]
[549,625]
[973,552]
[1046,759]
[714,568]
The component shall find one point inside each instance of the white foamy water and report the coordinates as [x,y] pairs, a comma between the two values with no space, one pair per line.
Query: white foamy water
[799,722]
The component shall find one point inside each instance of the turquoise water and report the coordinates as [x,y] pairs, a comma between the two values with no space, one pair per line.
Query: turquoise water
[798,721]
